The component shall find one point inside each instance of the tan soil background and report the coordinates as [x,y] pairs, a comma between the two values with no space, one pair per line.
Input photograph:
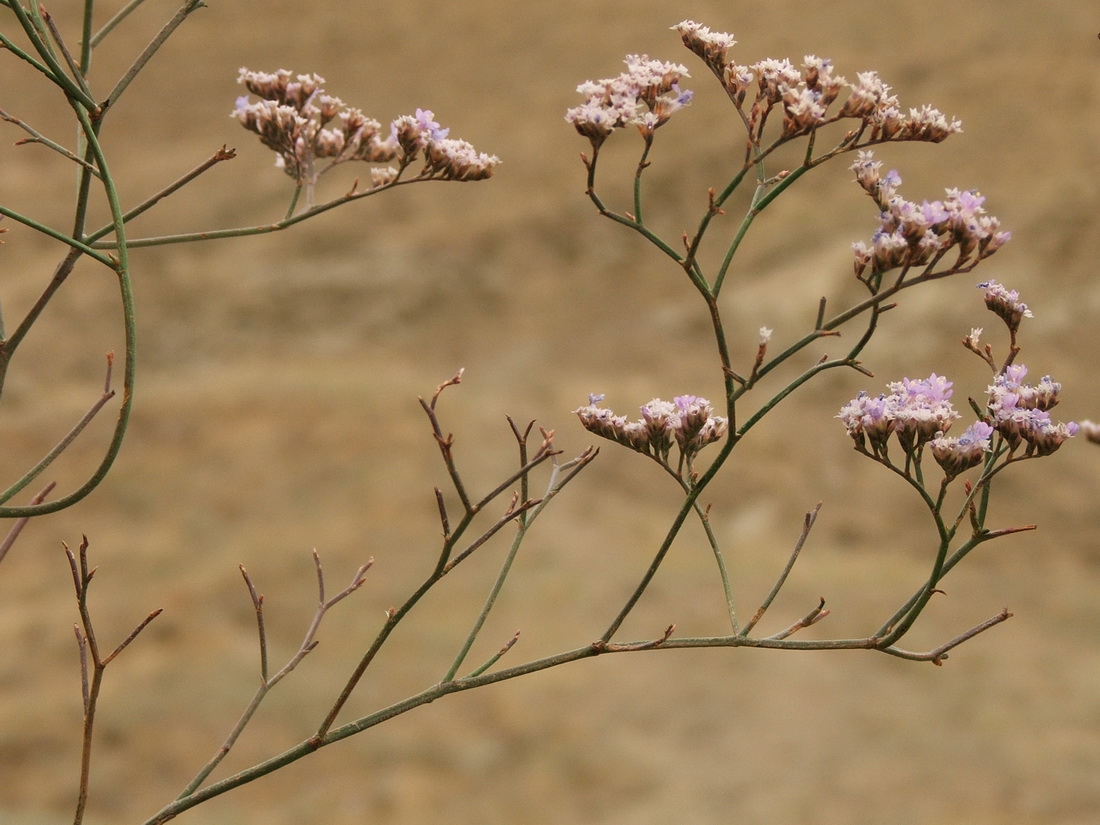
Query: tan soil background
[277,412]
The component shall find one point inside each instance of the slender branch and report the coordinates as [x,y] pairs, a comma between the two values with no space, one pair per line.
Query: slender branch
[154,46]
[938,654]
[309,642]
[129,323]
[222,154]
[19,524]
[91,683]
[492,660]
[49,231]
[35,505]
[121,15]
[38,137]
[807,525]
[481,679]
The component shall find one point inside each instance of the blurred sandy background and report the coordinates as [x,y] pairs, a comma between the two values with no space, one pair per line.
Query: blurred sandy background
[277,412]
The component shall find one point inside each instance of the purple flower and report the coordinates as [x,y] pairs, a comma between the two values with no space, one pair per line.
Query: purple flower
[956,455]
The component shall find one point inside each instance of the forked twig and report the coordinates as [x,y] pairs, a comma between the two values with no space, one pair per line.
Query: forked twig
[91,679]
[309,642]
[807,525]
[938,654]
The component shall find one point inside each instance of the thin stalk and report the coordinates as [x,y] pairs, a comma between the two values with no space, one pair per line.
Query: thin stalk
[38,137]
[52,68]
[154,45]
[524,523]
[807,525]
[147,204]
[121,269]
[122,14]
[57,449]
[86,38]
[49,231]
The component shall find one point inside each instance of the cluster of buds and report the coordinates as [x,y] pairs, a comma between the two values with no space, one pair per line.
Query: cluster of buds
[1006,304]
[646,95]
[915,235]
[805,94]
[302,124]
[688,421]
[1020,412]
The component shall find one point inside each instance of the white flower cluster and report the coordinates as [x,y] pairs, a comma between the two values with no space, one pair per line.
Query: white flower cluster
[301,123]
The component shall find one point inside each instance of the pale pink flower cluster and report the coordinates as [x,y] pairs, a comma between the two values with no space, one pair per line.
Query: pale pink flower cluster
[957,455]
[805,94]
[1020,412]
[302,124]
[912,234]
[688,421]
[915,411]
[646,95]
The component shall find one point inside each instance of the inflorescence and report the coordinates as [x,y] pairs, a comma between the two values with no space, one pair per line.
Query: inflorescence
[303,124]
[649,92]
[919,413]
[916,235]
[688,421]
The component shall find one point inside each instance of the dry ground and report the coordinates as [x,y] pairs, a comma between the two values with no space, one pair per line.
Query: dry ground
[277,413]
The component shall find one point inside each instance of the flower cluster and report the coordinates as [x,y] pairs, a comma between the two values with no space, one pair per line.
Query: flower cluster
[912,234]
[917,412]
[1020,412]
[688,421]
[646,95]
[302,124]
[920,413]
[1006,304]
[957,455]
[805,95]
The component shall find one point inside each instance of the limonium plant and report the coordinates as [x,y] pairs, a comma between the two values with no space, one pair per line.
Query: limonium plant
[911,427]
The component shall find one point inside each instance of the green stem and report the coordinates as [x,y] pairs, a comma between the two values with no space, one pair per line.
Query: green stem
[52,69]
[49,231]
[121,268]
[154,45]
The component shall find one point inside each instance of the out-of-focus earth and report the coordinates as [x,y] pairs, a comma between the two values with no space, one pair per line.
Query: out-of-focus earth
[277,412]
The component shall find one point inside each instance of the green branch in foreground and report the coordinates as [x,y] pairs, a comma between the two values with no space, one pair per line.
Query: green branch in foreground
[438,691]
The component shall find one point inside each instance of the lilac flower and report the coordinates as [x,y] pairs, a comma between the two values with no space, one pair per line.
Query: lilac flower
[956,455]
[1005,303]
[1044,436]
[1019,411]
[868,420]
[687,421]
[911,234]
[916,411]
[646,95]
